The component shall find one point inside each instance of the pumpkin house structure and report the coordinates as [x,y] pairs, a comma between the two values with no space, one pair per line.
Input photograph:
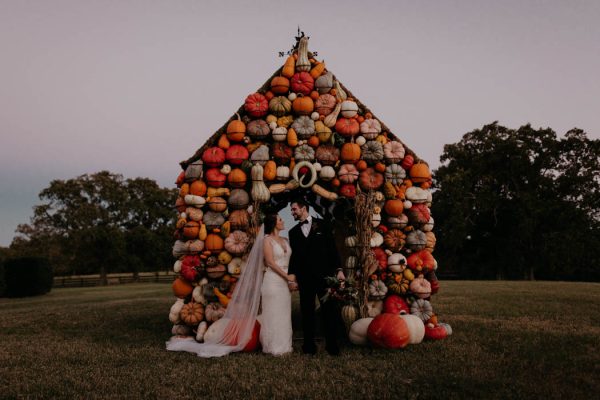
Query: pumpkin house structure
[303,133]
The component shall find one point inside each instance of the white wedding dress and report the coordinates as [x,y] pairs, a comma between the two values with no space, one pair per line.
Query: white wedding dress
[276,319]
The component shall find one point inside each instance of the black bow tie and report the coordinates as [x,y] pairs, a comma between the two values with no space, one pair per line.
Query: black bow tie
[304,222]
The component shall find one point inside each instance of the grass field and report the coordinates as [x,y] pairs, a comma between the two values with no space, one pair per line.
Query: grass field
[511,340]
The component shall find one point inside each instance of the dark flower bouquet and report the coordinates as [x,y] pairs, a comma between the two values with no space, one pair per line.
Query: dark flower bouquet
[344,291]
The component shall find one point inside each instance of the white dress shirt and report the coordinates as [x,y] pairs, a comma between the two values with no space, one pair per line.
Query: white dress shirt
[306,227]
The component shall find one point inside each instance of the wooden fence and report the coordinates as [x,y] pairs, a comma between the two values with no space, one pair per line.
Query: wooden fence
[113,279]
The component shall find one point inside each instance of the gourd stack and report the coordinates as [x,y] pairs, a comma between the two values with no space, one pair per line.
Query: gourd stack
[303,130]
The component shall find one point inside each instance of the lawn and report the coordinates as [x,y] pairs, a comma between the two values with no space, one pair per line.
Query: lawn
[511,340]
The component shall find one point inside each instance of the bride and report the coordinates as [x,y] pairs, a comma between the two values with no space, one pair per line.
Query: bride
[234,330]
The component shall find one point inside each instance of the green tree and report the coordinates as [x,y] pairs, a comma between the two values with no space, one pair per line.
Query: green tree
[519,204]
[100,223]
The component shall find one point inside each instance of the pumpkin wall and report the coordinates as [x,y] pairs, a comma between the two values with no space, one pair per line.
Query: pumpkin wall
[302,131]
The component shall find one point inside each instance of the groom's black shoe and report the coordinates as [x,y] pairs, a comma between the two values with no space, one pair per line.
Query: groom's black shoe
[309,348]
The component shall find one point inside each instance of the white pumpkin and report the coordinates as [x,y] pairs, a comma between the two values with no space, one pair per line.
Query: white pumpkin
[292,96]
[358,331]
[327,173]
[360,140]
[395,174]
[195,201]
[422,309]
[314,116]
[349,109]
[235,267]
[416,328]
[214,331]
[370,128]
[407,204]
[397,262]
[377,290]
[226,169]
[283,173]
[177,266]
[375,220]
[376,239]
[417,195]
[175,310]
[280,134]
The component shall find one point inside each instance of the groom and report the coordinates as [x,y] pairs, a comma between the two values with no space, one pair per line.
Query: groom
[313,258]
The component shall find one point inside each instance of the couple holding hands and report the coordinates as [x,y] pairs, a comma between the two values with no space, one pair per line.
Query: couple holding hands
[301,263]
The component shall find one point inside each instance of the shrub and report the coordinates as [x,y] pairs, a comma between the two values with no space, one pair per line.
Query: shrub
[27,276]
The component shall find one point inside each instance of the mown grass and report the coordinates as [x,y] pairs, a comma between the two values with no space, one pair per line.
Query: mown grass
[511,340]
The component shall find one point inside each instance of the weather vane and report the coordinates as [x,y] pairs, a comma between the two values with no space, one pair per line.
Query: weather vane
[295,47]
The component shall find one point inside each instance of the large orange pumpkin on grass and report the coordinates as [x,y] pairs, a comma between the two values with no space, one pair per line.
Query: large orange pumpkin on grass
[388,331]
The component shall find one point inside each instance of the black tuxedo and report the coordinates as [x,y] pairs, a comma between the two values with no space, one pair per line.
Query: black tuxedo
[314,258]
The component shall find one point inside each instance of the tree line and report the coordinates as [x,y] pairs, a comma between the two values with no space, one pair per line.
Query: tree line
[100,223]
[508,204]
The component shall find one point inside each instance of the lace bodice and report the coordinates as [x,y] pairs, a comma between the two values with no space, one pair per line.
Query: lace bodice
[281,253]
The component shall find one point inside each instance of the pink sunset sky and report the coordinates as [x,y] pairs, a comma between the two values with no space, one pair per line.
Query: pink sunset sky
[134,87]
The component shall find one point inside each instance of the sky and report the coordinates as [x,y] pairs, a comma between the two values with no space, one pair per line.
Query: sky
[134,87]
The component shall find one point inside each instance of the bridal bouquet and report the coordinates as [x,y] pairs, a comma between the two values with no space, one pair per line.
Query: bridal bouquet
[340,290]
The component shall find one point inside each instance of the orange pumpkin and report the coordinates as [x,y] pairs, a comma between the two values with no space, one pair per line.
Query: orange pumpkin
[361,165]
[236,130]
[191,230]
[313,141]
[223,142]
[280,85]
[269,95]
[420,172]
[380,167]
[184,190]
[303,105]
[198,188]
[314,95]
[213,243]
[350,153]
[289,67]
[182,288]
[394,207]
[237,178]
[270,170]
[347,127]
[217,204]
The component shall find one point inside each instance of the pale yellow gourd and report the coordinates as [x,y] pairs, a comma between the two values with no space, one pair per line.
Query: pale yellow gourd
[340,95]
[217,192]
[303,63]
[326,194]
[260,192]
[277,188]
[323,132]
[331,119]
[203,232]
